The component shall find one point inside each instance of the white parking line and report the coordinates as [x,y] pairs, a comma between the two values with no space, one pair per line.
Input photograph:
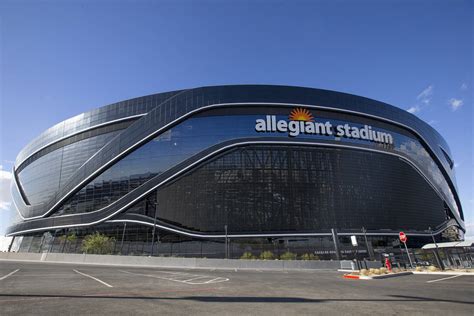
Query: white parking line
[11,273]
[217,280]
[451,277]
[90,276]
[195,278]
[176,275]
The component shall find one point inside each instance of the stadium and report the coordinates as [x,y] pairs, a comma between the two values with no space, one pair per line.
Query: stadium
[222,171]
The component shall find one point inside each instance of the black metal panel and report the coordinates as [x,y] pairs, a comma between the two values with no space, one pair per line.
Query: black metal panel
[138,206]
[73,139]
[42,177]
[93,118]
[265,189]
[207,129]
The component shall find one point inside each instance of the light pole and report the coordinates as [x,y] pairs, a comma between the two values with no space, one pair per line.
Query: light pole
[438,259]
[154,228]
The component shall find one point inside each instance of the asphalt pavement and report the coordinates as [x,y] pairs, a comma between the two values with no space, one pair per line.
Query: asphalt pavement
[34,288]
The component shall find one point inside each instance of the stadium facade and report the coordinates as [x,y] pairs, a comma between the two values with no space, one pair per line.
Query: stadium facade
[224,170]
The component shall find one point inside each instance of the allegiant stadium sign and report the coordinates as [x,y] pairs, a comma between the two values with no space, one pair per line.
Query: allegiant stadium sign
[301,122]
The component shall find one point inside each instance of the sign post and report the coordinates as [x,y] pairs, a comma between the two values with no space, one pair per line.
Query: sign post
[403,239]
[355,244]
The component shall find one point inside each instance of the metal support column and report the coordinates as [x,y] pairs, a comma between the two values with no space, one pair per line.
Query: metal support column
[123,236]
[436,253]
[408,254]
[369,247]
[52,242]
[154,229]
[226,248]
[335,239]
[11,244]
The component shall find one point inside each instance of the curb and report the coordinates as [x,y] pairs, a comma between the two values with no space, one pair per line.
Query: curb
[443,273]
[350,276]
[383,276]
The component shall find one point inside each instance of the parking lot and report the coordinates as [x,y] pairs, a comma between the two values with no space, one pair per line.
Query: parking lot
[30,288]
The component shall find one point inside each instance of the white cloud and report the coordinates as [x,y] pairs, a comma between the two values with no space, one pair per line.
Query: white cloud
[425,96]
[414,109]
[432,122]
[469,230]
[455,103]
[423,99]
[456,165]
[4,174]
[463,86]
[5,180]
[5,243]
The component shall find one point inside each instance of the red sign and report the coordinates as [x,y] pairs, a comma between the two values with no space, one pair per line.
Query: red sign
[403,237]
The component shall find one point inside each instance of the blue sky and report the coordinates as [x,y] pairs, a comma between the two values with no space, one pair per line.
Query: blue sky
[61,58]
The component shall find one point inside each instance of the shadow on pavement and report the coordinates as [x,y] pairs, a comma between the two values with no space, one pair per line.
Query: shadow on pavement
[246,299]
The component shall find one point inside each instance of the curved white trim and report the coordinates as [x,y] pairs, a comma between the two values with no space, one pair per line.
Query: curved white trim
[78,132]
[149,136]
[237,144]
[17,208]
[233,235]
[13,186]
[58,140]
[445,152]
[199,161]
[182,232]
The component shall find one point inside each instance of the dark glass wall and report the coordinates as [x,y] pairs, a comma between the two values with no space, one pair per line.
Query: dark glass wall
[93,118]
[198,133]
[42,178]
[270,189]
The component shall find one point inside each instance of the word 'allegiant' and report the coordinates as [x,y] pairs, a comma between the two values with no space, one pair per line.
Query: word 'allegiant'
[294,128]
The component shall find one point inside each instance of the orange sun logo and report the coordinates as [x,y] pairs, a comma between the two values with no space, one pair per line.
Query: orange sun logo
[300,114]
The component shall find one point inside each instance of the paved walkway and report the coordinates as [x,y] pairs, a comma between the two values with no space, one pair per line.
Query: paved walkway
[45,289]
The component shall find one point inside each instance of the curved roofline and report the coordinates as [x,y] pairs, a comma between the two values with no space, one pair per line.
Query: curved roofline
[76,117]
[168,106]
